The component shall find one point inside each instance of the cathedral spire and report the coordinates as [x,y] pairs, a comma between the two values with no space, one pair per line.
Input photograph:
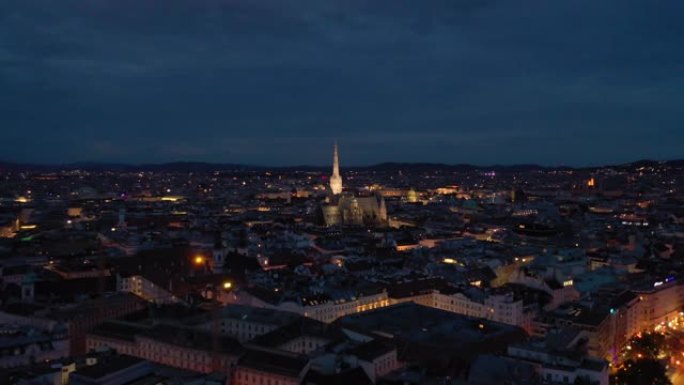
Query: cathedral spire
[336,161]
[335,178]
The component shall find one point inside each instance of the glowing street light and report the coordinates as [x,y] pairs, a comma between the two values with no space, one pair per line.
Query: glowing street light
[227,285]
[199,260]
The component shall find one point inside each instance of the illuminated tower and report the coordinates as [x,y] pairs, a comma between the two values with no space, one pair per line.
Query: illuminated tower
[335,178]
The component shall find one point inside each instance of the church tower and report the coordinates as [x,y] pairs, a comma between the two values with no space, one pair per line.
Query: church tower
[335,178]
[218,254]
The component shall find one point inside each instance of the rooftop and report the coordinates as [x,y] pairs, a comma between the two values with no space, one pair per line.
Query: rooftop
[284,363]
[418,328]
[108,366]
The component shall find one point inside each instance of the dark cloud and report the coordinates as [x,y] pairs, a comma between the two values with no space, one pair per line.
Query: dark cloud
[268,81]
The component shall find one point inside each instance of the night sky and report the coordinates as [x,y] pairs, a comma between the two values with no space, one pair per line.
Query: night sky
[274,82]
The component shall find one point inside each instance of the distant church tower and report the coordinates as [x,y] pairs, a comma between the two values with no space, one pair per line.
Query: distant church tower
[335,178]
[219,253]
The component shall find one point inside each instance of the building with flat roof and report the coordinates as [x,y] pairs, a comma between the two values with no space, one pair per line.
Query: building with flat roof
[438,339]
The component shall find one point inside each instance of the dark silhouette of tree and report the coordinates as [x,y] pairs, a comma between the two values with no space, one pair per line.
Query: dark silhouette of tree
[642,372]
[648,346]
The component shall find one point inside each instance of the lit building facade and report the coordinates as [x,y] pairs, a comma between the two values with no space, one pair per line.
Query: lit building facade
[504,307]
[347,209]
[183,349]
[320,310]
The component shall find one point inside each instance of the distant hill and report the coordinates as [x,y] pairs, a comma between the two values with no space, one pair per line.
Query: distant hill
[458,167]
[381,167]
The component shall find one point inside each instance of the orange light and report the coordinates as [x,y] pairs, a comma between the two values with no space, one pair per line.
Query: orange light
[227,285]
[199,260]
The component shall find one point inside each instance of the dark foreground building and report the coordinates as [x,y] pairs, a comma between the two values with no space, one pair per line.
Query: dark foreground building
[443,342]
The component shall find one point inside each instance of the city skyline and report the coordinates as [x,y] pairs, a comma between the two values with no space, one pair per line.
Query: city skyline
[322,165]
[366,192]
[267,83]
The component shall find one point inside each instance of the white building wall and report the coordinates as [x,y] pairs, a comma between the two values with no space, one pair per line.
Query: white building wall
[145,289]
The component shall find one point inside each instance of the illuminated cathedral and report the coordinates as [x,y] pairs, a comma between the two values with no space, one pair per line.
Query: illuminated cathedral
[342,208]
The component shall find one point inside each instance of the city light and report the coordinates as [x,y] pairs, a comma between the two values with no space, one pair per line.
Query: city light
[465,229]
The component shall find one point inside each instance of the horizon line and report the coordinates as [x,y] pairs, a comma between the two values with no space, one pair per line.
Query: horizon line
[368,165]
